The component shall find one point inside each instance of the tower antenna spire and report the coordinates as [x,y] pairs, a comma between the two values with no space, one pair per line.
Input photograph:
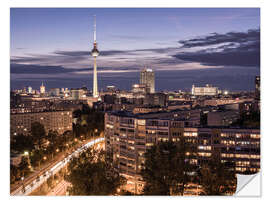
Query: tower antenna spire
[95,29]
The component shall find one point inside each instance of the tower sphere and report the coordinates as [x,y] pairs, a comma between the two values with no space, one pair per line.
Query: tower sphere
[95,51]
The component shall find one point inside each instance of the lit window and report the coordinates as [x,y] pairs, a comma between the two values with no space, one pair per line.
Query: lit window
[254,135]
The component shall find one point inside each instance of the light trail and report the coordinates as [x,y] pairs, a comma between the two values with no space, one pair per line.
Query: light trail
[28,189]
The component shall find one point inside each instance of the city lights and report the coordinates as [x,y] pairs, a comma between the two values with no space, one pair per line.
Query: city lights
[166,118]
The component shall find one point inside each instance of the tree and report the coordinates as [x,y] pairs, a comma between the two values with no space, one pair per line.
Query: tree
[22,143]
[166,167]
[14,173]
[38,133]
[218,178]
[36,157]
[92,173]
[50,182]
[24,166]
[89,119]
[248,119]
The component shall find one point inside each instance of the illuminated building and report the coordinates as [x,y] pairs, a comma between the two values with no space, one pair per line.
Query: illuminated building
[128,136]
[76,94]
[147,77]
[139,88]
[42,89]
[111,88]
[59,121]
[208,90]
[30,90]
[55,92]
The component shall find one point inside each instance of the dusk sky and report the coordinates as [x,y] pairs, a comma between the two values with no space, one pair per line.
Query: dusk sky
[183,46]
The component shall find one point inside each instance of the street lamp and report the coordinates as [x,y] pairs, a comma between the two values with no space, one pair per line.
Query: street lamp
[26,153]
[23,189]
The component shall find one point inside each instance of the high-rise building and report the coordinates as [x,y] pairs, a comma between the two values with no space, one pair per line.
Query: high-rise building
[147,77]
[257,87]
[42,89]
[30,90]
[95,53]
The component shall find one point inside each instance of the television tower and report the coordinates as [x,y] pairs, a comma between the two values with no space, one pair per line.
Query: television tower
[95,53]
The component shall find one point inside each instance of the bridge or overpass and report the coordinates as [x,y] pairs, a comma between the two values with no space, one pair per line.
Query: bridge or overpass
[35,182]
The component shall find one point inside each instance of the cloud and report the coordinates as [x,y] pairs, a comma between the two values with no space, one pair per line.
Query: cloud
[233,48]
[73,53]
[26,59]
[88,53]
[223,58]
[38,69]
[215,38]
[128,37]
[47,70]
[215,50]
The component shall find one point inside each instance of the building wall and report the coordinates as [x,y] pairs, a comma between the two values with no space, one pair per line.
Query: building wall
[129,137]
[59,121]
[257,87]
[156,99]
[203,91]
[76,94]
[222,118]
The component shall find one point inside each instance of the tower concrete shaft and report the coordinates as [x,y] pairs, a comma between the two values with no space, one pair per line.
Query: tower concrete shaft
[95,85]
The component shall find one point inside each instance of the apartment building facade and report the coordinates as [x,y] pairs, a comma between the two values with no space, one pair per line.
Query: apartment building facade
[60,121]
[128,136]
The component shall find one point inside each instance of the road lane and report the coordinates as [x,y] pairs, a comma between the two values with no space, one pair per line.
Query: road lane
[30,187]
[59,189]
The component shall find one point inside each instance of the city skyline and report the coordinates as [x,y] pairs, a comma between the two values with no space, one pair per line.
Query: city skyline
[53,45]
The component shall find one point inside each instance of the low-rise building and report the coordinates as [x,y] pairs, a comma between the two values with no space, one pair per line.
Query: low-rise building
[222,118]
[76,94]
[59,121]
[208,90]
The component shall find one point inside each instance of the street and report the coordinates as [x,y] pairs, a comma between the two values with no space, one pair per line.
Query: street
[29,186]
[59,189]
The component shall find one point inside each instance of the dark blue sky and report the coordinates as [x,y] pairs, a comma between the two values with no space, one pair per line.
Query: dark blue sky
[201,44]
